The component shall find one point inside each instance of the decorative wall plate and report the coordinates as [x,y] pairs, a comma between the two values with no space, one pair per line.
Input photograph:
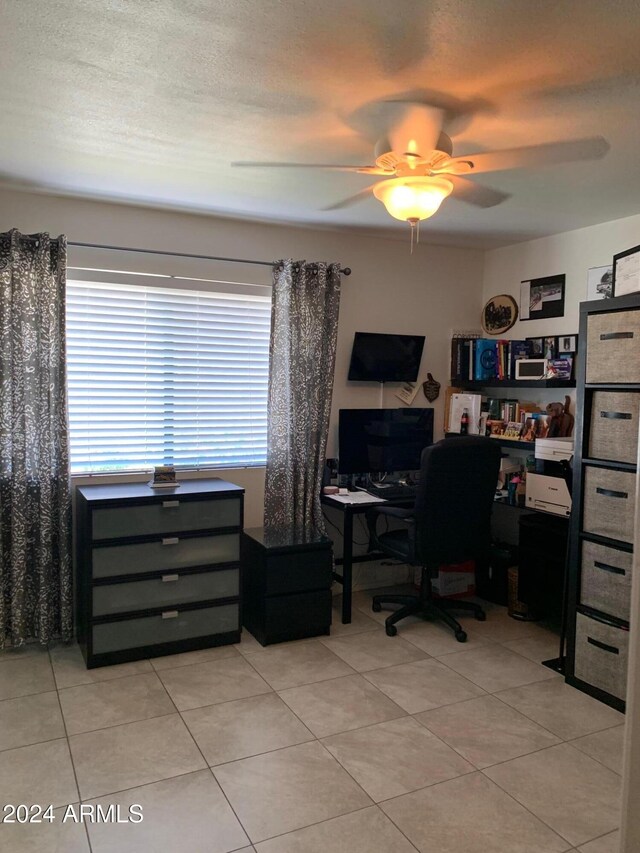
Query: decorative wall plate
[499,314]
[431,388]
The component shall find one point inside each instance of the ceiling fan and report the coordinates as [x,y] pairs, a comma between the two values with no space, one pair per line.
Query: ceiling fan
[415,157]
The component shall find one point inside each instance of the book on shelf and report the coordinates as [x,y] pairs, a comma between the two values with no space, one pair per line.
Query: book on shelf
[485,359]
[463,356]
[560,368]
[517,350]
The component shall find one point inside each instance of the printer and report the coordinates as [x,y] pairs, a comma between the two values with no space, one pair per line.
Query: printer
[548,489]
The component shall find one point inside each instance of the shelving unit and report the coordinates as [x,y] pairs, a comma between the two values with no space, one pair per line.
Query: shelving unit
[471,384]
[604,487]
[506,442]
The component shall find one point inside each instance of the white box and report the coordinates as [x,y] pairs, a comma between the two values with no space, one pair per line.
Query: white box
[470,402]
[554,449]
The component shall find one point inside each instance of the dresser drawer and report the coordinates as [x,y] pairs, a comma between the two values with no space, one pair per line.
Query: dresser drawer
[173,626]
[165,554]
[171,515]
[605,579]
[609,503]
[164,591]
[614,426]
[613,347]
[601,655]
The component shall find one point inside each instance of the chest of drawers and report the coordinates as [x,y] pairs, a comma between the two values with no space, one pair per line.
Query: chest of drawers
[157,572]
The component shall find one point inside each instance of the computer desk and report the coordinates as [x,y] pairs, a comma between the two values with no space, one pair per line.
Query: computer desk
[348,512]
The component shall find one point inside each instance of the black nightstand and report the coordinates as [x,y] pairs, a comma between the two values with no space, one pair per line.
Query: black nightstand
[286,582]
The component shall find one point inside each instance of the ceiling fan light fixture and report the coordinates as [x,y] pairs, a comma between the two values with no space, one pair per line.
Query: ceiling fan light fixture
[412,199]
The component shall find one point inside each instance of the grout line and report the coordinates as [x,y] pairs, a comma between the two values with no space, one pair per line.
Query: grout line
[73,765]
[526,808]
[531,719]
[314,737]
[144,785]
[207,767]
[327,820]
[215,659]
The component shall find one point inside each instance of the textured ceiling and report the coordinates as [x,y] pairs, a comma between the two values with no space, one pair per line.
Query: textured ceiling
[150,101]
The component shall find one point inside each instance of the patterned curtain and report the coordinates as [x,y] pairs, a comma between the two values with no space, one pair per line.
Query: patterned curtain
[35,505]
[304,330]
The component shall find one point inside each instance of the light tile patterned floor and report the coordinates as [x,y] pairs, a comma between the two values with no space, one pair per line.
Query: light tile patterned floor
[362,742]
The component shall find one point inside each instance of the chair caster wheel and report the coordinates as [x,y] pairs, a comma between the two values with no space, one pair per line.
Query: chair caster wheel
[461,637]
[391,630]
[481,616]
[376,607]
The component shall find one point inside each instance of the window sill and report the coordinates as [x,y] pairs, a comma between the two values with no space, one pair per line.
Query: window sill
[108,477]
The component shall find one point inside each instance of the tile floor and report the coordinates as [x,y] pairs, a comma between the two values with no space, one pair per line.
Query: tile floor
[355,742]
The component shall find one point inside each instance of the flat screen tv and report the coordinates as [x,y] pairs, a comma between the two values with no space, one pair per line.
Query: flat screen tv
[373,440]
[385,358]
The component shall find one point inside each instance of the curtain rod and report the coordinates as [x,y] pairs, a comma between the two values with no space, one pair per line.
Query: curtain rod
[345,271]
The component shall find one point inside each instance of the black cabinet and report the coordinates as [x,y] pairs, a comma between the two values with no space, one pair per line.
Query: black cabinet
[286,584]
[157,572]
[542,563]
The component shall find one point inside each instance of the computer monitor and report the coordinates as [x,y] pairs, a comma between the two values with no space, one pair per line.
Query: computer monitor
[385,358]
[372,440]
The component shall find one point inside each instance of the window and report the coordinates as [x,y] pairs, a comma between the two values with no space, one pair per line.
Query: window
[165,376]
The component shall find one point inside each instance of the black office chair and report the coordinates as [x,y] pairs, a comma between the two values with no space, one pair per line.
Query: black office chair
[450,523]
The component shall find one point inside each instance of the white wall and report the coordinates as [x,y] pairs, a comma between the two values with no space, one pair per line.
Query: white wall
[430,292]
[571,253]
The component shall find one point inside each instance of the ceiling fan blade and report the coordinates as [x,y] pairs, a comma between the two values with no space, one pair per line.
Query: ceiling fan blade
[413,128]
[546,154]
[367,170]
[476,194]
[352,199]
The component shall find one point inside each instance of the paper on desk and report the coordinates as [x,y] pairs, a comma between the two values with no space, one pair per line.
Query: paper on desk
[356,498]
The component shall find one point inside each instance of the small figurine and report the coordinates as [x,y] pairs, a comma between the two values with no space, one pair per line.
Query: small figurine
[560,419]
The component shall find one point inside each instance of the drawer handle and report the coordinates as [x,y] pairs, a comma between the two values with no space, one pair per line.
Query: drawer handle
[169,614]
[605,648]
[171,578]
[615,336]
[171,540]
[607,568]
[622,416]
[170,504]
[611,493]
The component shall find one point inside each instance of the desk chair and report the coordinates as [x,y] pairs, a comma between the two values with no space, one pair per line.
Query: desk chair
[450,523]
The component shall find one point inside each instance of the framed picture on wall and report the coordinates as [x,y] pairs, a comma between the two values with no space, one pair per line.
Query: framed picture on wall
[537,347]
[542,298]
[550,348]
[499,314]
[600,283]
[567,345]
[626,272]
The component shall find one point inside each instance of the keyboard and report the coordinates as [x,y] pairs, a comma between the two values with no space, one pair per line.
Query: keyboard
[394,493]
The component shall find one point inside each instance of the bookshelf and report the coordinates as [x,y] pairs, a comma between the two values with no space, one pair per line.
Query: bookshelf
[477,384]
[505,442]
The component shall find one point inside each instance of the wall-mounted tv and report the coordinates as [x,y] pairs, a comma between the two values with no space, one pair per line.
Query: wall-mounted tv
[385,358]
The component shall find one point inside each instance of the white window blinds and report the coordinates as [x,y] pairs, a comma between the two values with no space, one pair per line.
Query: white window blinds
[163,376]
